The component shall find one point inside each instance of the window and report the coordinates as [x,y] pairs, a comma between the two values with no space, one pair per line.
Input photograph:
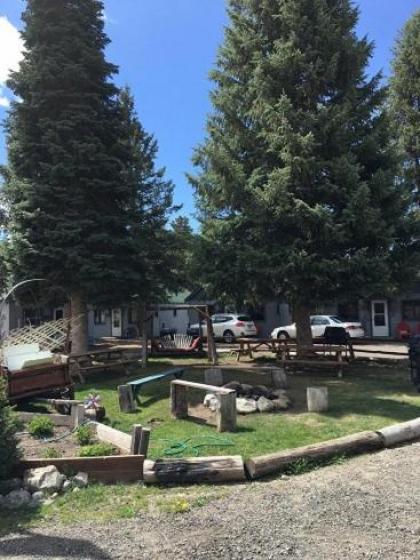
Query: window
[99,317]
[319,321]
[410,310]
[132,315]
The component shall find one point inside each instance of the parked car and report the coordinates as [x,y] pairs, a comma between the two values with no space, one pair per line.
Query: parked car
[318,326]
[226,327]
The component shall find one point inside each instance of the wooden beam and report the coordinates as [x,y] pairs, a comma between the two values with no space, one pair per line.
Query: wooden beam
[113,436]
[179,402]
[398,433]
[202,386]
[57,419]
[121,468]
[196,469]
[226,412]
[278,462]
[144,441]
[126,398]
[135,439]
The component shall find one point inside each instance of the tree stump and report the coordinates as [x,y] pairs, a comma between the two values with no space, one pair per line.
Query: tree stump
[213,376]
[278,378]
[317,398]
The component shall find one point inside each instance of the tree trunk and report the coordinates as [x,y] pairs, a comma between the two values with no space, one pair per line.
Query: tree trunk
[142,326]
[302,314]
[79,314]
[211,345]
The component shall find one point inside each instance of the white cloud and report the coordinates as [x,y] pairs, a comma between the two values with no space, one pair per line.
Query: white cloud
[11,52]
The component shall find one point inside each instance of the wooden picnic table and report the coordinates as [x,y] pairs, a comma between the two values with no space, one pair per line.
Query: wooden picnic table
[97,360]
[249,345]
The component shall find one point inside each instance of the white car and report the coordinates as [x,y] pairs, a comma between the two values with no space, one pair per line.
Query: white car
[226,326]
[318,326]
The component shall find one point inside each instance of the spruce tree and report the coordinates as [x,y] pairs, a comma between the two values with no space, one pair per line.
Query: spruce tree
[69,201]
[296,182]
[9,452]
[405,99]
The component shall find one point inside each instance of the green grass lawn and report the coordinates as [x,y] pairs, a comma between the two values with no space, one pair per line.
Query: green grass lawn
[367,398]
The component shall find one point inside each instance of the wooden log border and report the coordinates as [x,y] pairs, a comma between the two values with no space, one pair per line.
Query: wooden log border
[119,468]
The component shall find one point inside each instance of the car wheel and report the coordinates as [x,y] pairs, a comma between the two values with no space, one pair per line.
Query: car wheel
[283,335]
[228,337]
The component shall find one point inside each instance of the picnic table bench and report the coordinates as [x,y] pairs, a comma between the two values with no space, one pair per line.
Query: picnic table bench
[100,360]
[129,393]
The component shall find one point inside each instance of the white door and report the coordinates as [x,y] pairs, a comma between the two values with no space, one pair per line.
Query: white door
[116,326]
[380,321]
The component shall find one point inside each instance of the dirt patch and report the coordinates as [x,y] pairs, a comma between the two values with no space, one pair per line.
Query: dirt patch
[63,442]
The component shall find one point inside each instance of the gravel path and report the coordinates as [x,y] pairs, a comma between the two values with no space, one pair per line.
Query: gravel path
[367,508]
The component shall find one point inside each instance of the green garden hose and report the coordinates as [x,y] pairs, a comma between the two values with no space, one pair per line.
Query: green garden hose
[192,446]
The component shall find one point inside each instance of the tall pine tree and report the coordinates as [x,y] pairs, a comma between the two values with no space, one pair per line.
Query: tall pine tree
[296,185]
[405,99]
[67,191]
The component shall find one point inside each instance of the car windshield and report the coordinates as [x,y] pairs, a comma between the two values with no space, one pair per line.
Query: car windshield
[244,318]
[336,320]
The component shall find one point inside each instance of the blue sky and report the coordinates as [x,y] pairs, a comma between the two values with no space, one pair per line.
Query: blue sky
[165,49]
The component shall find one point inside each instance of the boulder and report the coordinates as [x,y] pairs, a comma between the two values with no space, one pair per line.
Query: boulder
[278,377]
[279,394]
[38,497]
[265,405]
[211,401]
[245,390]
[246,406]
[261,391]
[281,404]
[44,478]
[81,480]
[235,385]
[16,499]
[10,484]
[67,485]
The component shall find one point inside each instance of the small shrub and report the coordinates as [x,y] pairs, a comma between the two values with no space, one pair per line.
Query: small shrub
[97,450]
[51,453]
[41,427]
[84,435]
[9,451]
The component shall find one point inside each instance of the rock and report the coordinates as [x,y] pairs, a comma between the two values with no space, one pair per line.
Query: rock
[17,498]
[10,484]
[38,497]
[245,390]
[246,406]
[261,391]
[281,404]
[44,478]
[235,385]
[76,489]
[81,480]
[265,405]
[211,401]
[67,485]
[279,393]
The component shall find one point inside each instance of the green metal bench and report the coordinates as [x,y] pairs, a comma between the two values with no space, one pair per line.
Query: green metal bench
[137,384]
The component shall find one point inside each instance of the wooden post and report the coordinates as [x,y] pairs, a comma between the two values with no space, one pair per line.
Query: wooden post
[278,378]
[213,376]
[136,438]
[179,402]
[126,398]
[77,414]
[226,412]
[144,442]
[211,345]
[317,398]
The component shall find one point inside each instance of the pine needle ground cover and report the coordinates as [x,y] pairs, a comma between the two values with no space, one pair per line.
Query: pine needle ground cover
[368,397]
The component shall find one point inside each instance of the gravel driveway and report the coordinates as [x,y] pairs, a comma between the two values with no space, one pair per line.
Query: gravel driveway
[367,508]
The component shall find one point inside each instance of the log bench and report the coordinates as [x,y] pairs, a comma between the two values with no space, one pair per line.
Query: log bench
[129,393]
[225,413]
